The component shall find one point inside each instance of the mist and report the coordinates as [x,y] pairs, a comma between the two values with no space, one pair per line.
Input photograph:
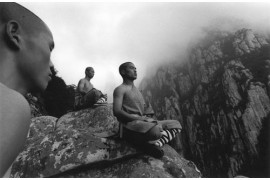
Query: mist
[104,35]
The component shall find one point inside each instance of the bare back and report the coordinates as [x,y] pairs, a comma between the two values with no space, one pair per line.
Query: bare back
[84,86]
[15,120]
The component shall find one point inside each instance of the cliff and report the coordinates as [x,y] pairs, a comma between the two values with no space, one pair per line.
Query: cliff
[85,144]
[220,94]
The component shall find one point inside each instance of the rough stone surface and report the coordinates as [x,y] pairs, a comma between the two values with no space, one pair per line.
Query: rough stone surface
[41,126]
[100,120]
[171,165]
[85,141]
[221,96]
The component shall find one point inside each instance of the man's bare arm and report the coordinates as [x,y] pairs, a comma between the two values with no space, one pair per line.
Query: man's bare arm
[15,119]
[118,95]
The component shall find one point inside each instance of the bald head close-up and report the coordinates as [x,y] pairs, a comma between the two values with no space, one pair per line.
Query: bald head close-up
[25,60]
[26,45]
[28,20]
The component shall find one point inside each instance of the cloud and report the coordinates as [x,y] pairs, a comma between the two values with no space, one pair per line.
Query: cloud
[104,35]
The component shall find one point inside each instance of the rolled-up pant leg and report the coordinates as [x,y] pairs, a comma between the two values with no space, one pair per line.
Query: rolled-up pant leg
[151,135]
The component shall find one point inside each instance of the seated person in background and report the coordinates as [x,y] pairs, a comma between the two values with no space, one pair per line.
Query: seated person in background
[25,49]
[135,126]
[86,95]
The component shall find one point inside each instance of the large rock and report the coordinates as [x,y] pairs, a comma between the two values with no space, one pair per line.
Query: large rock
[41,126]
[245,41]
[221,97]
[83,143]
[171,165]
[99,120]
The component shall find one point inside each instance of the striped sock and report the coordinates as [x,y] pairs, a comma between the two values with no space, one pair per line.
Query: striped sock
[167,136]
[101,100]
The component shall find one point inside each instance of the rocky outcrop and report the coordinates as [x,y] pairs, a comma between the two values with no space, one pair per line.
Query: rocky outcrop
[84,144]
[171,165]
[221,97]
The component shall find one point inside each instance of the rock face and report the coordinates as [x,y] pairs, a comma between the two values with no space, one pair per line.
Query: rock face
[84,144]
[171,165]
[221,97]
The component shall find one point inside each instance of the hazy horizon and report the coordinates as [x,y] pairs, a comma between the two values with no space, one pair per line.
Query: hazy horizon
[104,35]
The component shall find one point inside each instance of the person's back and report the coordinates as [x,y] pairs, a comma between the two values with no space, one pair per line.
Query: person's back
[25,47]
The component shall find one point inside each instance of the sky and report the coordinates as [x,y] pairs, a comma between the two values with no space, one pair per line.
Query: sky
[105,35]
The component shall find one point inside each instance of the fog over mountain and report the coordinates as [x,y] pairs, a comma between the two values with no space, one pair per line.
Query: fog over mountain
[104,35]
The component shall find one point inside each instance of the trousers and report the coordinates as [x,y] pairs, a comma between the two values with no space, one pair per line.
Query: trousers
[87,100]
[153,134]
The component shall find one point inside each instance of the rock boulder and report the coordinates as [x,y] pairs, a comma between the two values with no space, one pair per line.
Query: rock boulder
[84,144]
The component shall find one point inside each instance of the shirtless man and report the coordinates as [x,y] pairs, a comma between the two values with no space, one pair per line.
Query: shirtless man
[136,127]
[86,95]
[25,48]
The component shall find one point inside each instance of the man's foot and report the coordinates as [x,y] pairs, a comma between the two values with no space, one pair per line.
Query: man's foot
[154,142]
[152,150]
[101,102]
[167,136]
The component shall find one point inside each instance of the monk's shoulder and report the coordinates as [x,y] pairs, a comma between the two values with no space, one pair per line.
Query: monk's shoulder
[13,102]
[121,89]
[118,91]
[14,124]
[82,80]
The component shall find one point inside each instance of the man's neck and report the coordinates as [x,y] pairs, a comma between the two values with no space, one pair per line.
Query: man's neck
[128,82]
[88,78]
[10,77]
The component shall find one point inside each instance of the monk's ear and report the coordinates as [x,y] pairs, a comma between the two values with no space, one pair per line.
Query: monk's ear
[122,72]
[13,35]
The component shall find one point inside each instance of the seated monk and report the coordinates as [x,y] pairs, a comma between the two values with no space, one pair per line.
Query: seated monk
[86,95]
[136,126]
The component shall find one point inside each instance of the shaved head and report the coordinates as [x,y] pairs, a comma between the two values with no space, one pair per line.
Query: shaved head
[89,72]
[28,20]
[123,67]
[88,69]
[25,47]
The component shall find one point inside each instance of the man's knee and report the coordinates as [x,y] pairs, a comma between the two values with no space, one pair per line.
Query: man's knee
[97,94]
[177,122]
[169,124]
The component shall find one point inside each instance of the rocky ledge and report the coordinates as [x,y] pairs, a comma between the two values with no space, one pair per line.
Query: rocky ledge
[85,144]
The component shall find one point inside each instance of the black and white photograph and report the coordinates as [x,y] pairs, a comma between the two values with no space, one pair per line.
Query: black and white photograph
[135,89]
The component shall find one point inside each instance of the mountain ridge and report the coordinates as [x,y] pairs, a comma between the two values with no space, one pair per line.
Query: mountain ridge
[220,94]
